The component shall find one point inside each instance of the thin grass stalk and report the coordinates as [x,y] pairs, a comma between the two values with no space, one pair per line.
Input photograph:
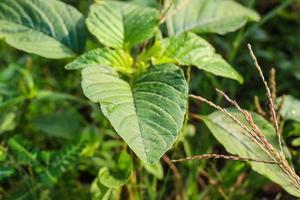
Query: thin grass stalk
[269,95]
[220,156]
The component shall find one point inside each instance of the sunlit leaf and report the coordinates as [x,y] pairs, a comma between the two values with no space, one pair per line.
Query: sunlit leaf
[121,25]
[51,29]
[296,142]
[190,49]
[148,114]
[7,121]
[203,16]
[118,59]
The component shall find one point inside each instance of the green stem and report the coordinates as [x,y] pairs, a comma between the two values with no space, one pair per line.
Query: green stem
[235,45]
[188,80]
[187,148]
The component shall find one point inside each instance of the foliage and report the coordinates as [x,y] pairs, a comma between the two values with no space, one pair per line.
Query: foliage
[27,25]
[148,114]
[235,142]
[139,60]
[202,16]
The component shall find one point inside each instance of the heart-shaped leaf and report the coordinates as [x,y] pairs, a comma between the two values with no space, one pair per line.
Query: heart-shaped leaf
[234,140]
[51,29]
[208,16]
[121,25]
[147,114]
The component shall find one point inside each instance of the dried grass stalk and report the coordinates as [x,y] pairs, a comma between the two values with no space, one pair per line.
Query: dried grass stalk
[258,106]
[269,95]
[258,137]
[254,133]
[272,83]
[226,157]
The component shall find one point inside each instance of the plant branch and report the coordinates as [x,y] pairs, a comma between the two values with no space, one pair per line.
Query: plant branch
[220,156]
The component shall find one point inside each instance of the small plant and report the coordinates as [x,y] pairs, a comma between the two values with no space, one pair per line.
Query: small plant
[136,64]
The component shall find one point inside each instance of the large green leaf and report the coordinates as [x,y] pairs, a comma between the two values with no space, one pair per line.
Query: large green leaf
[121,25]
[190,49]
[119,59]
[208,16]
[148,114]
[51,29]
[290,108]
[231,136]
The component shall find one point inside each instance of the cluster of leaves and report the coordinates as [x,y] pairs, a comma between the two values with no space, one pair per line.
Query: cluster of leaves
[137,75]
[46,166]
[153,104]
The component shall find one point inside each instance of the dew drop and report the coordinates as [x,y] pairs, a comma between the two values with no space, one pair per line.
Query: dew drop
[147,150]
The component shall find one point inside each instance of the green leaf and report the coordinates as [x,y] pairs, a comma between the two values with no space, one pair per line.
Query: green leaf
[188,131]
[208,16]
[296,142]
[228,133]
[60,161]
[93,137]
[119,59]
[6,172]
[148,114]
[290,109]
[148,3]
[99,191]
[155,169]
[115,178]
[8,121]
[295,130]
[190,49]
[50,29]
[121,25]
[23,154]
[3,154]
